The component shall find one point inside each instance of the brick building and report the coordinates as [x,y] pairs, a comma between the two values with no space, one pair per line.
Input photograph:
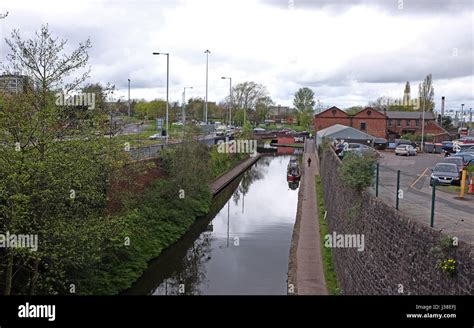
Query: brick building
[386,124]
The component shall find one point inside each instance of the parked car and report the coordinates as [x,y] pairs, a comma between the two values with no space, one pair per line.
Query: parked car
[259,130]
[358,149]
[445,174]
[466,157]
[455,160]
[459,148]
[447,146]
[407,150]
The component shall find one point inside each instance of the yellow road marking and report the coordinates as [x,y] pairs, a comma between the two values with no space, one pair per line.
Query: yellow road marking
[418,179]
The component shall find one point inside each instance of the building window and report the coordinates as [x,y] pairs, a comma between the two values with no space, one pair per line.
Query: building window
[369,113]
[408,122]
[399,123]
[334,112]
[362,125]
[389,123]
[417,123]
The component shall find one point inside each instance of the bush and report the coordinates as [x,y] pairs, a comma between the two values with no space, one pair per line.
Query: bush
[358,171]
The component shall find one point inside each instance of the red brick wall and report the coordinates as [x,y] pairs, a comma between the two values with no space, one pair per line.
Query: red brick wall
[404,125]
[330,117]
[375,122]
[432,127]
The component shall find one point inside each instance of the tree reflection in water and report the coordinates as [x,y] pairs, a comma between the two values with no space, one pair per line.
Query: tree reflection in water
[190,272]
[256,172]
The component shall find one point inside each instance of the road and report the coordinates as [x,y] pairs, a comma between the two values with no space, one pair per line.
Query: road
[453,216]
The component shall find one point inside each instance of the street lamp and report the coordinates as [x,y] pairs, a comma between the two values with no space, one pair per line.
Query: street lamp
[183,114]
[167,87]
[422,126]
[128,97]
[207,52]
[230,98]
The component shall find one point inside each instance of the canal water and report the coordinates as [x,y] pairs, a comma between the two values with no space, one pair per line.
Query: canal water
[241,247]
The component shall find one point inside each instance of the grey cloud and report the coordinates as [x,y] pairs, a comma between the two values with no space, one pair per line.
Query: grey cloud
[408,6]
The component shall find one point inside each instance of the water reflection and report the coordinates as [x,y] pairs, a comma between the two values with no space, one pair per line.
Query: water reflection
[242,249]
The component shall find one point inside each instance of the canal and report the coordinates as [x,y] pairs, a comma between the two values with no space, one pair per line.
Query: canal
[240,247]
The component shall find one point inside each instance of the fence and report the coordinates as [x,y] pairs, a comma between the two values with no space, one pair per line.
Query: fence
[413,195]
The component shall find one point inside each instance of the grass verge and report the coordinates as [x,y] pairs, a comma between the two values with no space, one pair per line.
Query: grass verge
[329,273]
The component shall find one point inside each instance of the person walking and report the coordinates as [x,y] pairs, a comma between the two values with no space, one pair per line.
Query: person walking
[309,161]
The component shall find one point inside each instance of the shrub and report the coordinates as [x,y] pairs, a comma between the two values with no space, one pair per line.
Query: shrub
[357,171]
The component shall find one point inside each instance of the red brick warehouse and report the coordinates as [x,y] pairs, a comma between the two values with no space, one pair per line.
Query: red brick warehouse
[386,124]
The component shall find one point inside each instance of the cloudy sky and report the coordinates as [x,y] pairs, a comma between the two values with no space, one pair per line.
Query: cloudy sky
[349,52]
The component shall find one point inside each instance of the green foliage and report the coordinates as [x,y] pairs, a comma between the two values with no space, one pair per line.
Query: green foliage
[305,118]
[150,110]
[449,266]
[222,162]
[447,122]
[426,94]
[353,110]
[304,99]
[357,171]
[328,266]
[401,108]
[410,136]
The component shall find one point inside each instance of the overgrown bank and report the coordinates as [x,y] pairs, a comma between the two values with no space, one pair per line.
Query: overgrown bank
[167,210]
[328,266]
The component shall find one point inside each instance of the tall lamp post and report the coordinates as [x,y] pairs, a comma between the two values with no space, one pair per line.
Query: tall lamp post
[128,97]
[183,114]
[230,98]
[422,125]
[167,87]
[207,52]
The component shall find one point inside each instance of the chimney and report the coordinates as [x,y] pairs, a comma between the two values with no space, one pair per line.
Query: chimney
[442,106]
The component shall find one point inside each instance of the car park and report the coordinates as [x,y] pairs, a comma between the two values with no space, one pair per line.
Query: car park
[407,150]
[445,174]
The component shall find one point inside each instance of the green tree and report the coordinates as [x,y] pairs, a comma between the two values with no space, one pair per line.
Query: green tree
[305,118]
[53,174]
[304,99]
[246,96]
[357,171]
[447,122]
[426,94]
[353,110]
[406,93]
[262,109]
[150,110]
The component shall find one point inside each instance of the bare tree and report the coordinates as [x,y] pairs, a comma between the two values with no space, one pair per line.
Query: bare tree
[246,95]
[44,61]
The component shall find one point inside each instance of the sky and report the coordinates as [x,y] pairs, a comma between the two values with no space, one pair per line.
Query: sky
[348,52]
